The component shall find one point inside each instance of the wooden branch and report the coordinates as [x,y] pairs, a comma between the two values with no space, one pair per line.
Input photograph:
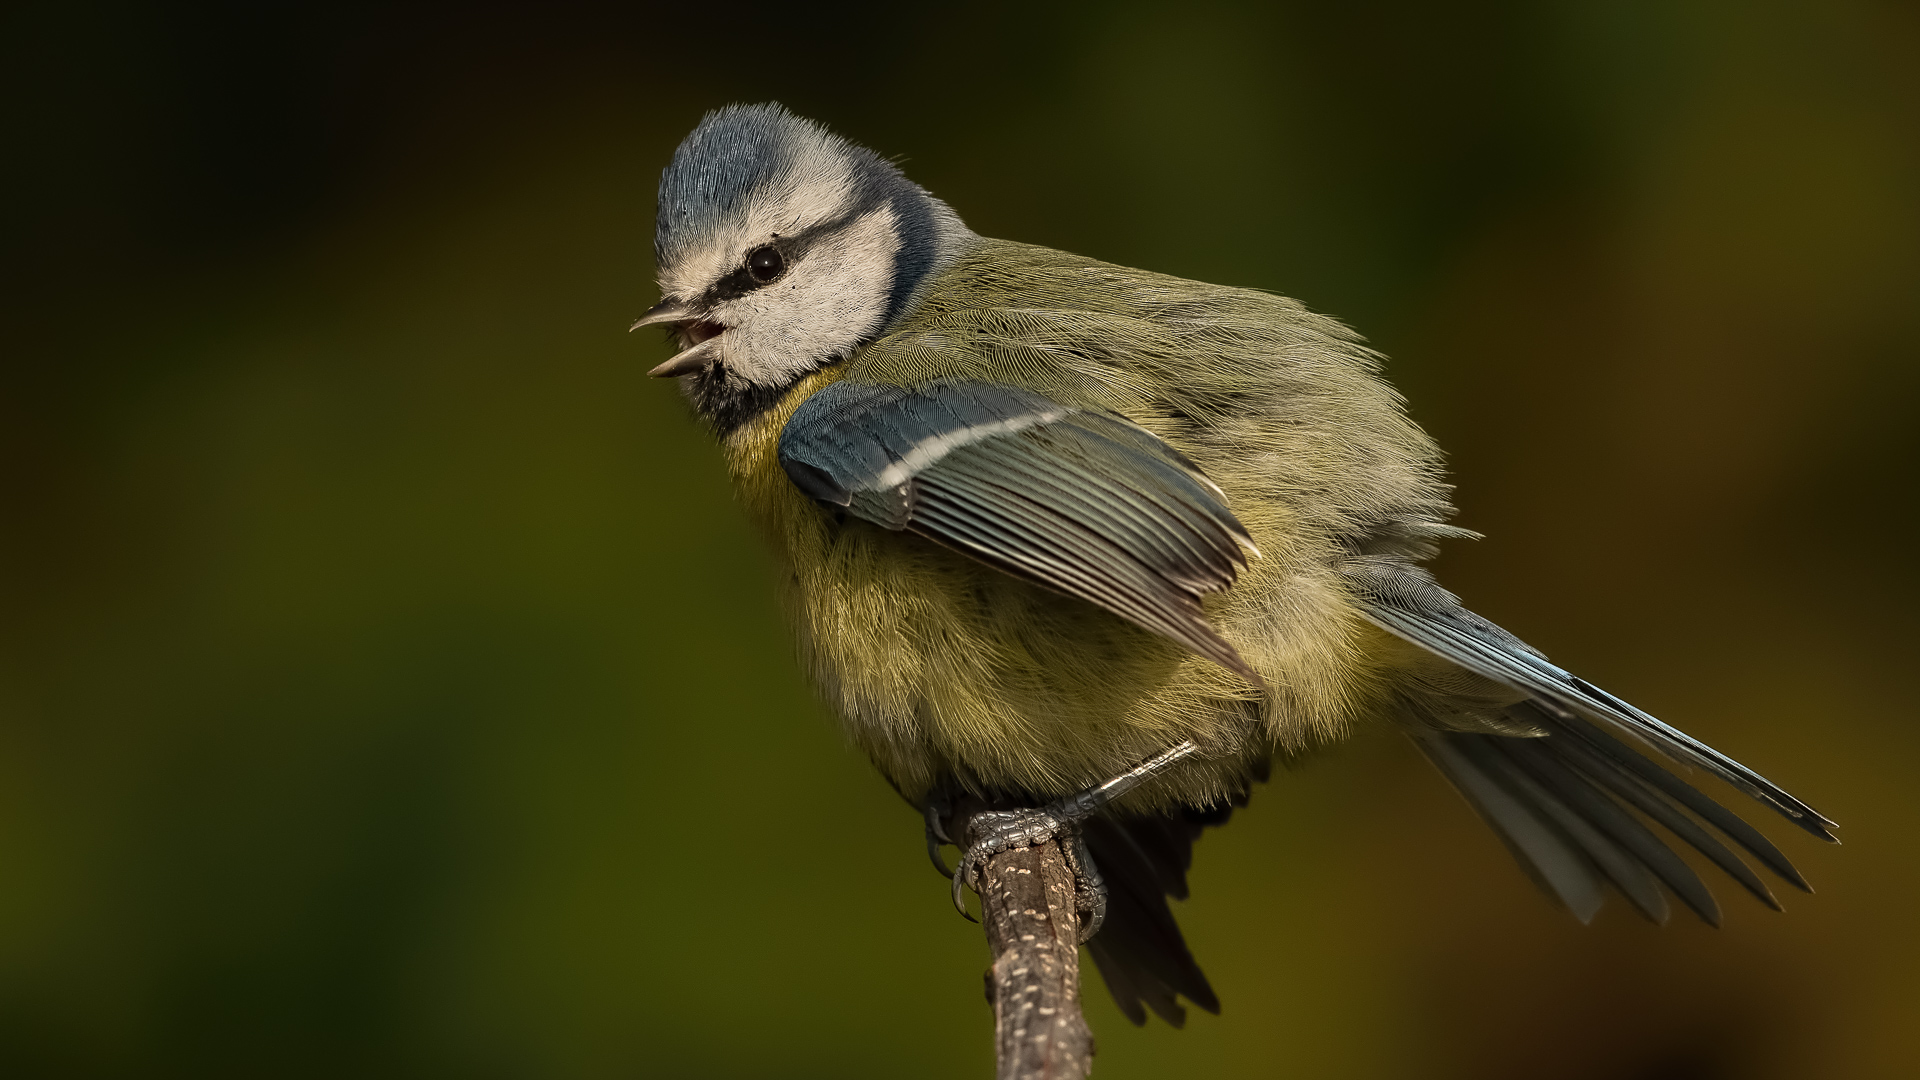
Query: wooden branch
[1026,901]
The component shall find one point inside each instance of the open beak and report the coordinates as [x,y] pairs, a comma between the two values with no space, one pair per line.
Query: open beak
[663,312]
[693,328]
[688,361]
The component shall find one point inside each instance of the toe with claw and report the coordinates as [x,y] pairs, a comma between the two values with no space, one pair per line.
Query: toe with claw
[936,811]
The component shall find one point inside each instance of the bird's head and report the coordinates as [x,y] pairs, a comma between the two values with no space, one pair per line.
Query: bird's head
[782,248]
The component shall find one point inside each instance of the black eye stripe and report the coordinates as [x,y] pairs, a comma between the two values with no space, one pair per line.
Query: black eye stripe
[791,247]
[771,264]
[734,285]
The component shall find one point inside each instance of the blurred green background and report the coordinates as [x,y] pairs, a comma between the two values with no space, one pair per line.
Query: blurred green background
[389,685]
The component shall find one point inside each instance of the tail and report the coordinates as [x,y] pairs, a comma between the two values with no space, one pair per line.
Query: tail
[1560,801]
[1562,804]
[1139,950]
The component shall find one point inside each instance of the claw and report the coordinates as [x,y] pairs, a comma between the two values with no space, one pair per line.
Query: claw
[933,856]
[936,809]
[1096,918]
[936,812]
[959,901]
[1090,887]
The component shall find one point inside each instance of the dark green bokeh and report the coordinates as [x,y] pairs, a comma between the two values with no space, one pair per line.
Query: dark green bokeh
[389,686]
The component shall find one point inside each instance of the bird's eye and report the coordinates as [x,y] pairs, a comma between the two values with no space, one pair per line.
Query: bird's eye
[764,264]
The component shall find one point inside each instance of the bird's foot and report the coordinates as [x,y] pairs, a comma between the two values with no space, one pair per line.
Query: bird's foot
[997,831]
[994,831]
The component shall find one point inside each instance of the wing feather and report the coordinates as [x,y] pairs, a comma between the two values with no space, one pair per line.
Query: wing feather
[1081,502]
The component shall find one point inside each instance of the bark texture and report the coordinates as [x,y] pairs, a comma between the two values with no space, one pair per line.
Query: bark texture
[1027,904]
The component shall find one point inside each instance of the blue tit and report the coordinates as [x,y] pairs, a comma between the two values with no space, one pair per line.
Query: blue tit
[1045,524]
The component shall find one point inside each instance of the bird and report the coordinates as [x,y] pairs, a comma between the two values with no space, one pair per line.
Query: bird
[1079,551]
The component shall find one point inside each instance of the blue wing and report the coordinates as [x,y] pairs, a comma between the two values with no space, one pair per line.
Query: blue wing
[1079,501]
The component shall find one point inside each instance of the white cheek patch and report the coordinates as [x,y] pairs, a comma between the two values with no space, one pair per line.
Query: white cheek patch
[826,303]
